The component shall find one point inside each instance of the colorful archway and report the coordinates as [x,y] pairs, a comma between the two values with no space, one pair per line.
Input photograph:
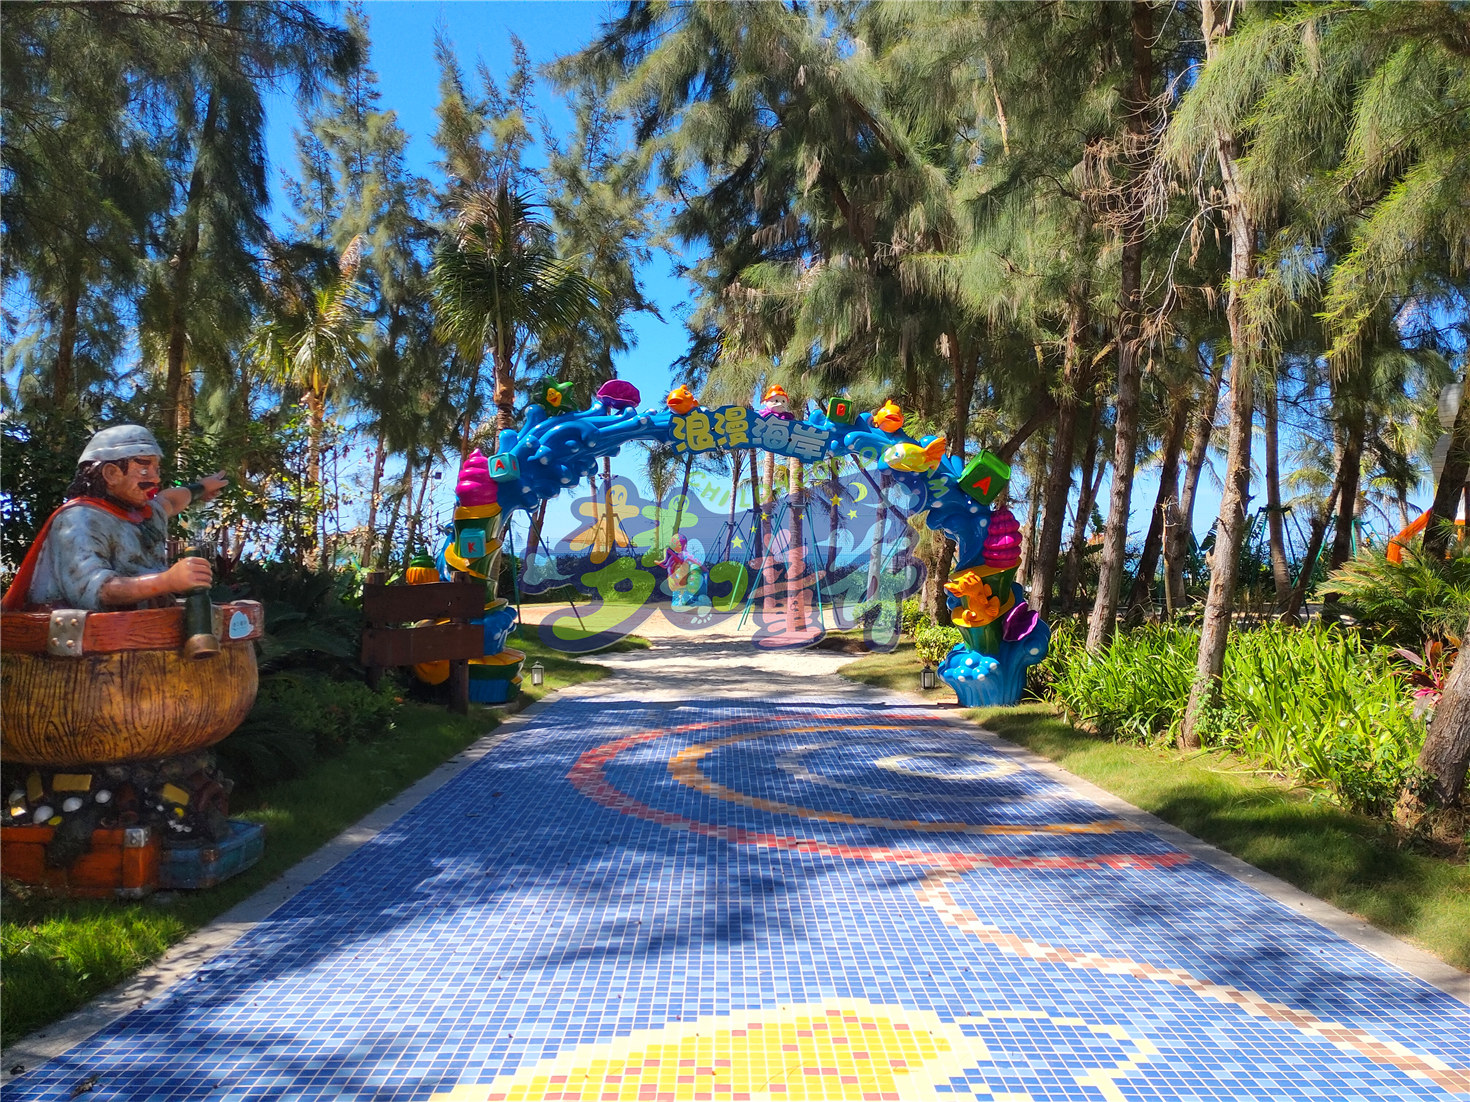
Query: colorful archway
[556,447]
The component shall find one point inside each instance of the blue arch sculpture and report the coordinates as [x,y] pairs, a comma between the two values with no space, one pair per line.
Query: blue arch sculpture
[556,447]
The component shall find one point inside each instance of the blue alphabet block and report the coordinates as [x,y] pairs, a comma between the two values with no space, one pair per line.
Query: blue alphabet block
[504,467]
[471,544]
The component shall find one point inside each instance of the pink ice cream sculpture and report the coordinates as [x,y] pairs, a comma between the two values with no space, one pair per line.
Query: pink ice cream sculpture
[475,486]
[1002,548]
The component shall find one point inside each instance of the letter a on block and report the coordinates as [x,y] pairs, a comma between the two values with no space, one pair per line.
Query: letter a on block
[504,467]
[985,478]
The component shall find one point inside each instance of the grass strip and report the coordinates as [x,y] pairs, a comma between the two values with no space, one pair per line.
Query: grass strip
[1353,862]
[56,954]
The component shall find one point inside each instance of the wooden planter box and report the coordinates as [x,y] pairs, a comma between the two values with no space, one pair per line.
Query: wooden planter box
[121,864]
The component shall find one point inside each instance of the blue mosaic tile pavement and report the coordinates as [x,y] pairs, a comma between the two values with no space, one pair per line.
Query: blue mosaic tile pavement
[719,901]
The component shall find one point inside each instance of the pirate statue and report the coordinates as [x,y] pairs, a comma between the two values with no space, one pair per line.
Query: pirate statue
[104,548]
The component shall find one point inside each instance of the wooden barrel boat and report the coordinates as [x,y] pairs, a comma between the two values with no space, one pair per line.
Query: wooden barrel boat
[93,688]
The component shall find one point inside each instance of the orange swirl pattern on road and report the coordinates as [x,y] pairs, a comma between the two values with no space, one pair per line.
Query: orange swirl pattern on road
[589,776]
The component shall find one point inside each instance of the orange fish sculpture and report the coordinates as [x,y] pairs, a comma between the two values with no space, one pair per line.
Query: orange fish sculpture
[681,399]
[980,605]
[888,417]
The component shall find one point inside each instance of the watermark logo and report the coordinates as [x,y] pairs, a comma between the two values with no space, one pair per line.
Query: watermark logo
[835,556]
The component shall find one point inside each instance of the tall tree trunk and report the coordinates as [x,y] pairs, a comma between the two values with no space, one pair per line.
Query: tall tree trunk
[880,531]
[1090,480]
[834,514]
[1456,466]
[1036,484]
[392,529]
[1130,338]
[416,517]
[533,534]
[1349,479]
[1178,535]
[1059,480]
[1230,532]
[380,457]
[796,573]
[1446,753]
[737,463]
[610,520]
[66,343]
[181,266]
[1141,595]
[1275,519]
[1317,534]
[505,381]
[316,423]
[964,367]
[769,577]
[683,492]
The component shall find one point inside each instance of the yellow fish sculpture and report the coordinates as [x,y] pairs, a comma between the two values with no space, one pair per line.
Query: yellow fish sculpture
[681,399]
[915,457]
[888,417]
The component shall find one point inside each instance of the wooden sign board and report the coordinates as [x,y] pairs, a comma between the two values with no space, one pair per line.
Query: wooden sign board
[384,644]
[404,604]
[410,646]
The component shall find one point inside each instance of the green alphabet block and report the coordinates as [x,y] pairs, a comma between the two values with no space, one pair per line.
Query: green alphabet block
[840,411]
[985,478]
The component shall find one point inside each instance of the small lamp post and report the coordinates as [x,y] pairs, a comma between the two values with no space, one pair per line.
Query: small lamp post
[538,673]
[927,680]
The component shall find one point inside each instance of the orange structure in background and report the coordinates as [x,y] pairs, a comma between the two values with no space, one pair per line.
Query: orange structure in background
[1396,545]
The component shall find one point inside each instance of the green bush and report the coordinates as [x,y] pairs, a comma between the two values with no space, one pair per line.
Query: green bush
[1322,706]
[914,617]
[1068,636]
[1411,602]
[299,718]
[1136,689]
[313,618]
[933,642]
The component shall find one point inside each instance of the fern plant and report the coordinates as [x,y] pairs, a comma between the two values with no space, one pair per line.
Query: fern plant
[1411,602]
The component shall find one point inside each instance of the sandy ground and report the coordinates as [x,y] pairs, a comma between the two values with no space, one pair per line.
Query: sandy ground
[717,661]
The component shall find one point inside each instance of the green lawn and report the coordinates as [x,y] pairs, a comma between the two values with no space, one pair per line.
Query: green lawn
[57,954]
[1353,862]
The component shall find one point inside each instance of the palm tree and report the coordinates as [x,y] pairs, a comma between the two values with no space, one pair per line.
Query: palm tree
[314,340]
[498,283]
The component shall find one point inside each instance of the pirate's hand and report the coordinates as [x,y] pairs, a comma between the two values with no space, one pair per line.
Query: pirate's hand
[212,484]
[188,574]
[185,575]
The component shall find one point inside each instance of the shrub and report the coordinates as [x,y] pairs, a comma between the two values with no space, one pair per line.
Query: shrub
[1134,690]
[1320,705]
[1410,602]
[299,718]
[1067,639]
[1325,706]
[310,621]
[914,617]
[934,641]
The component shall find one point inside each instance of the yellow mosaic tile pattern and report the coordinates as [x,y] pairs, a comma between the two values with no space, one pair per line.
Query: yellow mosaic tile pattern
[842,1049]
[684,767]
